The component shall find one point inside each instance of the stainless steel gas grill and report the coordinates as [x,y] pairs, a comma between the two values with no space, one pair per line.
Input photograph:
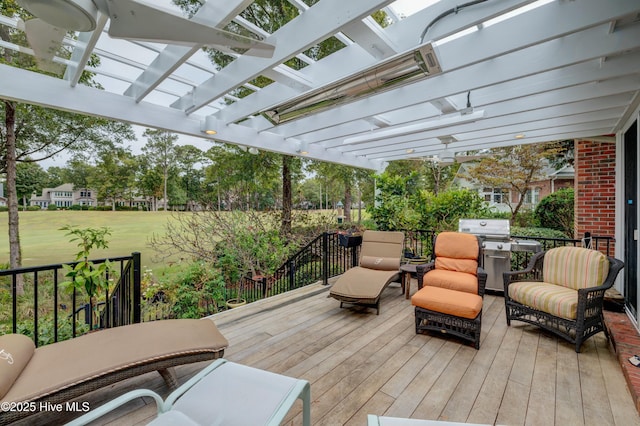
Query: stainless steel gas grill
[496,247]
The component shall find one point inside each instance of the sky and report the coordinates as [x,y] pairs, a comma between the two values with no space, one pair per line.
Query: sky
[401,7]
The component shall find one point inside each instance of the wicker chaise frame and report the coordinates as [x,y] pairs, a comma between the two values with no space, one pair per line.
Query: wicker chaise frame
[77,390]
[161,363]
[464,328]
[589,319]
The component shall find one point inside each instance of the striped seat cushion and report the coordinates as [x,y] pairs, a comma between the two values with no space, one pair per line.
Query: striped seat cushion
[550,298]
[575,267]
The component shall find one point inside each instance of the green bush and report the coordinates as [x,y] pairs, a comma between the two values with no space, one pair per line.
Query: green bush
[46,329]
[52,207]
[33,208]
[4,208]
[192,291]
[537,232]
[555,211]
[441,212]
[75,207]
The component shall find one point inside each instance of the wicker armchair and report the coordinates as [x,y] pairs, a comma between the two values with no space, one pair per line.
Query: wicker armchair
[451,288]
[562,291]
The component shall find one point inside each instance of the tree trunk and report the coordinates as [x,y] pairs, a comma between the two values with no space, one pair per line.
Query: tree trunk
[347,201]
[164,189]
[286,195]
[15,253]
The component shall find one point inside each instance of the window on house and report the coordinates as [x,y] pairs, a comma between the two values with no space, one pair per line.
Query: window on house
[532,196]
[495,195]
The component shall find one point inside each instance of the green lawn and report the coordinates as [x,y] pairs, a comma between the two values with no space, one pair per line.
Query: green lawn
[43,243]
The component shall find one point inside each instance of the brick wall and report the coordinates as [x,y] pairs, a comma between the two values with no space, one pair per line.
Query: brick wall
[595,188]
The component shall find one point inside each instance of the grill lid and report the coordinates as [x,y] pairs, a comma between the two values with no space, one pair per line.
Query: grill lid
[486,228]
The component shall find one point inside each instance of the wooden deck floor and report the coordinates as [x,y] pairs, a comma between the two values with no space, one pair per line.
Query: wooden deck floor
[361,363]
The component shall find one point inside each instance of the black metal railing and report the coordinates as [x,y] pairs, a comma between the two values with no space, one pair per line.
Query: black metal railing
[328,255]
[48,314]
[520,259]
[319,260]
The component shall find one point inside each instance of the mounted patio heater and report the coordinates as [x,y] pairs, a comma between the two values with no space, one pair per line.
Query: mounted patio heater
[402,69]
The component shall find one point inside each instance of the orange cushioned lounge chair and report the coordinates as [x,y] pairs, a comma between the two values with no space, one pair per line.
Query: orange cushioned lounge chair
[379,266]
[451,288]
[62,371]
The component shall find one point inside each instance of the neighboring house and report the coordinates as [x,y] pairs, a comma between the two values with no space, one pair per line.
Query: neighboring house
[64,196]
[139,203]
[3,199]
[499,198]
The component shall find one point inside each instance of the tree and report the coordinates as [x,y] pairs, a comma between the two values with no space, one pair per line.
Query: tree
[270,15]
[187,157]
[513,168]
[160,150]
[347,177]
[429,174]
[30,178]
[114,175]
[29,133]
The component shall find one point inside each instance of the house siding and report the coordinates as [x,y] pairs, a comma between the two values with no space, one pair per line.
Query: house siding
[595,182]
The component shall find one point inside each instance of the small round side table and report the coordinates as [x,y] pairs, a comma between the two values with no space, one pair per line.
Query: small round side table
[406,272]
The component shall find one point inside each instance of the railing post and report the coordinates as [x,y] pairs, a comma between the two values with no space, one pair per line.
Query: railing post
[292,274]
[14,307]
[354,256]
[137,278]
[325,258]
[263,281]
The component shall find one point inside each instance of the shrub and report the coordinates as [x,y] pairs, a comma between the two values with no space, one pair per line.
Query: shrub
[193,291]
[75,207]
[52,207]
[4,208]
[33,208]
[46,329]
[537,232]
[555,211]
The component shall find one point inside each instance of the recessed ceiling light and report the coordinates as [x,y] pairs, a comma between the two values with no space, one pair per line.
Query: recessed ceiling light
[520,136]
[410,151]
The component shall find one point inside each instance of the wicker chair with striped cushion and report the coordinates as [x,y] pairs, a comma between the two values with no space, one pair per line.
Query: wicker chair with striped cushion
[562,291]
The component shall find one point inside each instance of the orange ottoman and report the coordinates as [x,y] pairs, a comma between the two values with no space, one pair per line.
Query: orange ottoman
[448,311]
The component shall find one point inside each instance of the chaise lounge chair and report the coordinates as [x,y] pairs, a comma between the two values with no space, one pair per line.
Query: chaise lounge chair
[379,266]
[223,393]
[62,371]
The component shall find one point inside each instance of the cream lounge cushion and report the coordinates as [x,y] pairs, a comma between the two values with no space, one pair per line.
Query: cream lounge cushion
[379,265]
[362,284]
[15,352]
[64,364]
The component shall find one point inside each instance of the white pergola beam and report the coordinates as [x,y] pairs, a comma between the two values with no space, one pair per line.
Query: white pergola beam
[214,13]
[518,95]
[544,122]
[353,58]
[82,51]
[294,37]
[586,45]
[320,73]
[40,89]
[531,108]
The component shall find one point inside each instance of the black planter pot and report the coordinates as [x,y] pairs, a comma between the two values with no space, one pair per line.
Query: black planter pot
[349,240]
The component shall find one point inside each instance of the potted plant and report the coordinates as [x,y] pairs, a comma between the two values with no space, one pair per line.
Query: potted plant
[84,275]
[350,238]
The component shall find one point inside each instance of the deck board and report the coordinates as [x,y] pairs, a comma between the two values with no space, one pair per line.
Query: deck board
[360,363]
